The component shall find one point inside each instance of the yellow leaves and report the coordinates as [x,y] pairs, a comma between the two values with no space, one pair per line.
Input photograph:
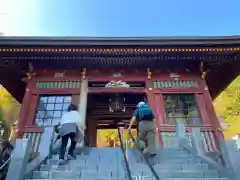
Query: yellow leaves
[227,105]
[9,106]
[106,135]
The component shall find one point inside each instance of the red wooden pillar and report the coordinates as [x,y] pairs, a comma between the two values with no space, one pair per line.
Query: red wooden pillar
[161,109]
[30,121]
[92,130]
[213,117]
[213,120]
[153,104]
[201,104]
[24,110]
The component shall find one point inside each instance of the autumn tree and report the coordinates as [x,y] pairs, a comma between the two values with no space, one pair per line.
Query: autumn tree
[227,105]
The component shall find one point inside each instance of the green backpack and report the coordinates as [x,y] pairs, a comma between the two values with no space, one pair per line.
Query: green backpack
[145,112]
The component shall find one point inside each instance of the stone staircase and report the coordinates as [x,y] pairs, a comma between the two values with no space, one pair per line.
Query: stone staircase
[171,164]
[108,164]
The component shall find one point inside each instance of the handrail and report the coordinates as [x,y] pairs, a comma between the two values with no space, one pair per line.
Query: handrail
[124,155]
[146,160]
[6,154]
[5,163]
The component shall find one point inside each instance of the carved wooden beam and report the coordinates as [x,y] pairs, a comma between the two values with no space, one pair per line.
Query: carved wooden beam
[30,73]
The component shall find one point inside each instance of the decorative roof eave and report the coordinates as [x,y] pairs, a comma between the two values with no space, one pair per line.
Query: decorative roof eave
[120,50]
[151,60]
[121,41]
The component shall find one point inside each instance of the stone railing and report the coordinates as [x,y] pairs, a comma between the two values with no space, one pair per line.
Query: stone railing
[169,140]
[35,138]
[228,151]
[20,167]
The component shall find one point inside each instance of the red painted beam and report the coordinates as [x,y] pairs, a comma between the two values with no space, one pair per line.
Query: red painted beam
[33,129]
[56,91]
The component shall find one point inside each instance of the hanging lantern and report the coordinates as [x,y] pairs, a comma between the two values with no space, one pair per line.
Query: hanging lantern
[117,103]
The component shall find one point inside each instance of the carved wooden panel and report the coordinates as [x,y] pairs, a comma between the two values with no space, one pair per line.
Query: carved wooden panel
[127,74]
[61,73]
[175,84]
[57,84]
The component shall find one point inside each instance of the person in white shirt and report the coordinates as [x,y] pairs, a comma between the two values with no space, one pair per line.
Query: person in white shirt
[72,127]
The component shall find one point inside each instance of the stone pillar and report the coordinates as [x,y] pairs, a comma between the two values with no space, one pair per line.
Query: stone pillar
[83,99]
[181,134]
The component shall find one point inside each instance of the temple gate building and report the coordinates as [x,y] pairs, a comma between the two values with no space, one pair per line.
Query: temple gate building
[107,77]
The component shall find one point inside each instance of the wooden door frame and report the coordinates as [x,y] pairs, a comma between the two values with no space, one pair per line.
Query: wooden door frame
[106,91]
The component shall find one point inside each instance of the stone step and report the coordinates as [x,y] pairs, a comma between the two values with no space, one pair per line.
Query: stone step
[47,167]
[200,167]
[98,157]
[74,175]
[193,162]
[55,162]
[116,174]
[108,164]
[131,161]
[177,173]
[135,169]
[167,161]
[67,167]
[97,150]
[107,151]
[86,161]
[79,168]
[135,158]
[176,153]
[92,178]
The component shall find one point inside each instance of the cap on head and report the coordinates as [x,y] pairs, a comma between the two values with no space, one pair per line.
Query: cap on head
[140,103]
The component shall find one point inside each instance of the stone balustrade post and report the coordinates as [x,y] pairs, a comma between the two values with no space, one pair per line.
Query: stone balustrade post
[231,156]
[181,134]
[19,166]
[19,160]
[197,141]
[46,142]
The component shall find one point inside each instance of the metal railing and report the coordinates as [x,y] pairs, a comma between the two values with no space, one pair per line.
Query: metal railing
[4,167]
[124,155]
[145,158]
[5,164]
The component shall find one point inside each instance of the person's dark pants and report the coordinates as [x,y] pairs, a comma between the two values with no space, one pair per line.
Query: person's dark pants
[64,145]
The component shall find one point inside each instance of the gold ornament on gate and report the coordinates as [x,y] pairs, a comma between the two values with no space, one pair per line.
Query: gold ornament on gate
[149,74]
[84,72]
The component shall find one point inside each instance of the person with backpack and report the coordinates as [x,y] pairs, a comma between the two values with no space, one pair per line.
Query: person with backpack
[146,126]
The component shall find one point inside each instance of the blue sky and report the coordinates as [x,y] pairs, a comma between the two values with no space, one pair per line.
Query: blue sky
[120,17]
